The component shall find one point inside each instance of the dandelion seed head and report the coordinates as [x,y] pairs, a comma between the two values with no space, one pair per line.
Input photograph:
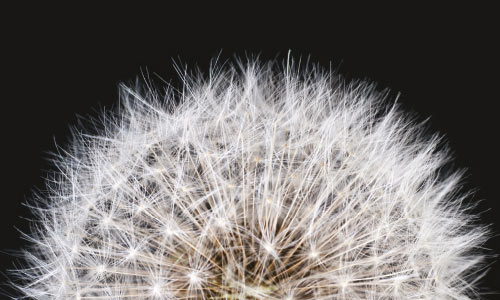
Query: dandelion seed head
[254,183]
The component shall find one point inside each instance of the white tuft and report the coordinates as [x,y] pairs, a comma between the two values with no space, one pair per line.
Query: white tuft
[258,184]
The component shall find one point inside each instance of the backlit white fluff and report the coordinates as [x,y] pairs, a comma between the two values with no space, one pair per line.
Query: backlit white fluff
[258,184]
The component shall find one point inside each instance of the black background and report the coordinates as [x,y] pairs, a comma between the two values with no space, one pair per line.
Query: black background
[444,64]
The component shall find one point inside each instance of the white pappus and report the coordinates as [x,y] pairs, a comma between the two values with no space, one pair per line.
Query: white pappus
[254,182]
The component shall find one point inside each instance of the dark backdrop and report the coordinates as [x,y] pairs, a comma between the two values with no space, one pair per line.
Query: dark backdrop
[445,66]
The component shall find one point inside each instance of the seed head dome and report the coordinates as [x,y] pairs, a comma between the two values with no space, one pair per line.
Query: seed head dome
[253,183]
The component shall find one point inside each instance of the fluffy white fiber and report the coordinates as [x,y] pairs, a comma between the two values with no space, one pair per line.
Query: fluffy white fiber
[253,183]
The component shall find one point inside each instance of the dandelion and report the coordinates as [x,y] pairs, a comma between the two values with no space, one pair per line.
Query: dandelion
[254,183]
